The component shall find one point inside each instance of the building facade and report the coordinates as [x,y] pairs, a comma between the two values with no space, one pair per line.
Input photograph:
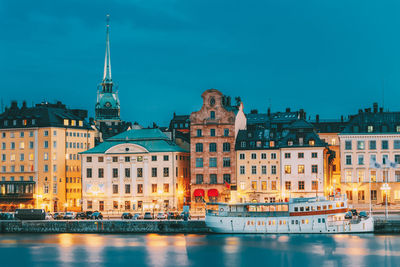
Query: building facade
[372,136]
[138,170]
[258,167]
[40,164]
[213,131]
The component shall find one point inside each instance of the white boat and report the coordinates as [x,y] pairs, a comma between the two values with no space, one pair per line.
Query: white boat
[299,215]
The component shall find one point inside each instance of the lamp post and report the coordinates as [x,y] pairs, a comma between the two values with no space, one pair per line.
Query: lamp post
[386,188]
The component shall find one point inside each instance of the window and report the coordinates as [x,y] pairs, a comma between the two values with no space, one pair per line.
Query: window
[301,185]
[254,185]
[273,155]
[314,155]
[348,176]
[396,144]
[314,168]
[243,144]
[273,186]
[212,115]
[361,195]
[139,172]
[88,159]
[115,173]
[373,176]
[348,159]
[22,157]
[287,155]
[311,142]
[166,172]
[199,133]
[153,172]
[263,169]
[264,185]
[213,147]
[385,144]
[314,185]
[46,156]
[100,173]
[360,145]
[227,178]
[253,156]
[115,205]
[199,162]
[385,159]
[253,169]
[288,169]
[166,158]
[263,156]
[300,169]
[154,188]
[114,159]
[140,188]
[347,145]
[21,145]
[213,178]
[212,132]
[226,162]
[199,147]
[370,128]
[153,158]
[127,172]
[213,162]
[46,167]
[241,156]
[372,144]
[127,189]
[127,159]
[226,132]
[226,147]
[139,159]
[373,195]
[360,159]
[273,169]
[46,133]
[300,155]
[115,188]
[89,202]
[12,145]
[288,185]
[199,178]
[166,188]
[396,158]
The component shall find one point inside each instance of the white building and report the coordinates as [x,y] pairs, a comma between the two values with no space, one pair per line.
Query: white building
[137,170]
[302,161]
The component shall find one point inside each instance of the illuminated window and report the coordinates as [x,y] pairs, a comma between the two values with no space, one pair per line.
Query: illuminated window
[300,169]
[370,128]
[254,185]
[263,185]
[311,142]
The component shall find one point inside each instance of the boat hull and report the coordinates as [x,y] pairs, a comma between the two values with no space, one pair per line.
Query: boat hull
[287,225]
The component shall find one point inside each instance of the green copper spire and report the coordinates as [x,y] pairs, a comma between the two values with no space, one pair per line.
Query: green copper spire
[107,80]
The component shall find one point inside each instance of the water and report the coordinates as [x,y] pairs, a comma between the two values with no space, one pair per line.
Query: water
[198,250]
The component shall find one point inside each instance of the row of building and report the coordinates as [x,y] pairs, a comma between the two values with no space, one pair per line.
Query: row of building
[52,157]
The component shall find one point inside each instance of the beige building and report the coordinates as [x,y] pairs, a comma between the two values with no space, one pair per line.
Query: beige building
[138,170]
[40,164]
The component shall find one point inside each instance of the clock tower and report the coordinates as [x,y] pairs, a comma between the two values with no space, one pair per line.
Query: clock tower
[107,108]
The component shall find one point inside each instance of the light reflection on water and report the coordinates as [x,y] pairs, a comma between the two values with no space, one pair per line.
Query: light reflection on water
[198,250]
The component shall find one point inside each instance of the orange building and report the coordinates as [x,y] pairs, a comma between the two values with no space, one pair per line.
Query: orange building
[40,165]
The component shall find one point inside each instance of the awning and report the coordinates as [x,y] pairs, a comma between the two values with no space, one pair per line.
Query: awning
[212,193]
[198,193]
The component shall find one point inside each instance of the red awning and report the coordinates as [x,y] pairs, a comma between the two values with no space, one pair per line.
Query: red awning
[198,193]
[212,193]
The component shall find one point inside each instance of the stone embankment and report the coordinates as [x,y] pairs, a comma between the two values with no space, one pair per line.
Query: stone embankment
[387,226]
[103,226]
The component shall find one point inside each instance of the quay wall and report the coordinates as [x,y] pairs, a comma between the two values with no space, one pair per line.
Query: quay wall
[103,226]
[128,226]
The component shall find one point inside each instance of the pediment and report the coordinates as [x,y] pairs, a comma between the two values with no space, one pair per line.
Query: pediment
[126,148]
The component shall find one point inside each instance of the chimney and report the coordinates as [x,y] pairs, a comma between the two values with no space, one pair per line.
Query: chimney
[228,101]
[254,111]
[317,118]
[360,111]
[302,114]
[14,104]
[381,109]
[375,106]
[287,109]
[341,118]
[269,111]
[24,104]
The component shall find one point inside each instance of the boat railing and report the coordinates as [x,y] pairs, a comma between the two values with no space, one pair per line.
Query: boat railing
[248,213]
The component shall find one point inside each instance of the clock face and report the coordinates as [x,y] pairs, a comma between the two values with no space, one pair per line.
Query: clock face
[212,101]
[108,104]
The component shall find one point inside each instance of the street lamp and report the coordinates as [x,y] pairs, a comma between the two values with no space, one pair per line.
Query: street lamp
[66,206]
[386,188]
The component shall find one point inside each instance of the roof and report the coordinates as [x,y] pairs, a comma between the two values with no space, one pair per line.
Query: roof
[381,122]
[153,140]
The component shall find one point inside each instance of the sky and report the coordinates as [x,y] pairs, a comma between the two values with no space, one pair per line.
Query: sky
[328,57]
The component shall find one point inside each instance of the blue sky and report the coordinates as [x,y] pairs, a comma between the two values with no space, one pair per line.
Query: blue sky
[328,57]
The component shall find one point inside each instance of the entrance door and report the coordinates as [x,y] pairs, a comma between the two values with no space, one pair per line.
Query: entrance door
[55,206]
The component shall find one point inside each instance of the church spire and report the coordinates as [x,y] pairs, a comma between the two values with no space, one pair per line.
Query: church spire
[107,81]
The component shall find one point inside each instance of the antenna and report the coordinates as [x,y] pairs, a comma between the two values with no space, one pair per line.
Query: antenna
[383,93]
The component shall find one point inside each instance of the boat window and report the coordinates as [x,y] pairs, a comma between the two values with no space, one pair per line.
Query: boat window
[301,208]
[337,204]
[292,221]
[342,204]
[307,208]
[330,207]
[285,207]
[263,223]
[324,207]
[307,221]
[248,222]
[319,220]
[296,209]
[273,222]
[297,222]
[252,222]
[284,222]
[323,220]
[302,221]
[280,222]
[318,207]
[269,222]
[312,208]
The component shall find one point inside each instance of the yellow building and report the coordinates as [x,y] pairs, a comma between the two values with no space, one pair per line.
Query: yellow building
[40,164]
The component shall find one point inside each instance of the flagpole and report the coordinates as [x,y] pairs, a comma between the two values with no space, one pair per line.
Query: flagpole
[370,196]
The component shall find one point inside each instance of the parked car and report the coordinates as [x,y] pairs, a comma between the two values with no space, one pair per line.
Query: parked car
[70,215]
[30,214]
[172,215]
[126,215]
[58,215]
[185,215]
[137,216]
[161,216]
[96,216]
[81,215]
[148,216]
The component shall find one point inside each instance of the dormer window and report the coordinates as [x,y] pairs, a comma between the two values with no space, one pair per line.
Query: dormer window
[301,141]
[243,144]
[212,115]
[370,128]
[33,121]
[14,122]
[271,143]
[5,123]
[80,123]
[73,123]
[290,143]
[258,143]
[24,122]
[311,142]
[66,122]
[398,128]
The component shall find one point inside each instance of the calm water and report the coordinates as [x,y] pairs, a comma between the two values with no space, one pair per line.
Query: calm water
[199,250]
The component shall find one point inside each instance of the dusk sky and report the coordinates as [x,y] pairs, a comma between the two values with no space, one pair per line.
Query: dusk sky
[328,57]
